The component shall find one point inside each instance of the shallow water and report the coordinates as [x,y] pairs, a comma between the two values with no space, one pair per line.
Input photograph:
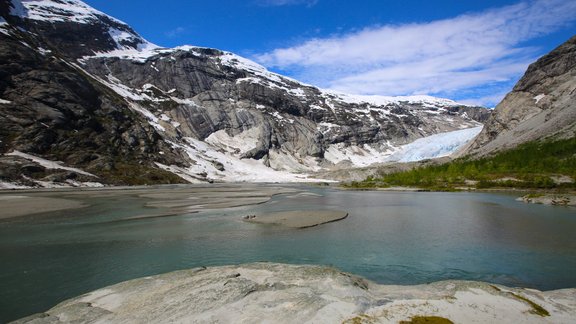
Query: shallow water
[389,237]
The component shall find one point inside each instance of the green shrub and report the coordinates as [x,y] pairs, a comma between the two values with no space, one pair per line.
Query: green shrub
[531,163]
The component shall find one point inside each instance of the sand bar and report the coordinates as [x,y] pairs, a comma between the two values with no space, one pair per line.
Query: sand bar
[20,205]
[300,218]
[174,200]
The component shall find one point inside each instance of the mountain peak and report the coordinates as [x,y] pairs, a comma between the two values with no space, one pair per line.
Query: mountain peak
[84,30]
[57,10]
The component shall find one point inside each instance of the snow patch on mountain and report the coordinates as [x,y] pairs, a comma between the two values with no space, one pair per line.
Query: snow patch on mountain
[539,97]
[356,155]
[54,11]
[238,144]
[211,163]
[375,100]
[128,42]
[47,163]
[280,159]
[438,145]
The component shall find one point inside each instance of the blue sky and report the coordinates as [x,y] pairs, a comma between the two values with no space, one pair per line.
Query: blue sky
[470,51]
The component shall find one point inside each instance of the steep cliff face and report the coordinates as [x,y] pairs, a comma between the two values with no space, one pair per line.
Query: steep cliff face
[541,105]
[51,109]
[80,87]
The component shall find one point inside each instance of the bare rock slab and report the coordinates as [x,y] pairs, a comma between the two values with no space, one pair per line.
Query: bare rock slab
[280,293]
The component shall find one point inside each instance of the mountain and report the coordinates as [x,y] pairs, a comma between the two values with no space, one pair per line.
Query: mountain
[85,100]
[528,142]
[542,105]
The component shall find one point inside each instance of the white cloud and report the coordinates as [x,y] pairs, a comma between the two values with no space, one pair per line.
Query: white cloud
[277,3]
[175,32]
[439,57]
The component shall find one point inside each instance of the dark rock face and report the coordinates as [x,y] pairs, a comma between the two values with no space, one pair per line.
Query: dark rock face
[541,105]
[51,109]
[80,87]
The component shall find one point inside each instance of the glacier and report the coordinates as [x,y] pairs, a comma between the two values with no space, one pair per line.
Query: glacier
[434,146]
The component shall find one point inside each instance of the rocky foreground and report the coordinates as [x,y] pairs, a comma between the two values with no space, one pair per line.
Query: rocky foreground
[278,293]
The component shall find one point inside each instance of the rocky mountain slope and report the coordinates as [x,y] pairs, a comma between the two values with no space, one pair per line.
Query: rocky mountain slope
[541,105]
[80,89]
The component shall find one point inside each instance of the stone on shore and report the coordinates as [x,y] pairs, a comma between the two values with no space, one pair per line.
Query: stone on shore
[550,199]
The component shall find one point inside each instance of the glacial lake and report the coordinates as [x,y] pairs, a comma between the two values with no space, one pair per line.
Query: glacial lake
[389,237]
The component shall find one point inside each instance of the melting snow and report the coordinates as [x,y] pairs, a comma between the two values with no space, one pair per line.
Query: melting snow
[10,185]
[239,62]
[121,36]
[539,97]
[63,10]
[326,127]
[47,163]
[44,51]
[240,143]
[360,156]
[152,119]
[426,101]
[285,161]
[205,157]
[140,54]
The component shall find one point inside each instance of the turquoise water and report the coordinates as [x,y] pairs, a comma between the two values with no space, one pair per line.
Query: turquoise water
[399,238]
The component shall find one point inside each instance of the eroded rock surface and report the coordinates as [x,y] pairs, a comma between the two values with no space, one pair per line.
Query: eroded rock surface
[278,293]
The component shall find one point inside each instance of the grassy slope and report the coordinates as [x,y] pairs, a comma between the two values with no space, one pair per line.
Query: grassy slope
[531,165]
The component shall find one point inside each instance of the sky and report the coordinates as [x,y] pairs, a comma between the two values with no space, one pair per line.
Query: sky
[469,51]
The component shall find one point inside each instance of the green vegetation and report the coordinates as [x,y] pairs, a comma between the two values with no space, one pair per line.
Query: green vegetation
[363,318]
[532,165]
[136,175]
[536,309]
[427,320]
